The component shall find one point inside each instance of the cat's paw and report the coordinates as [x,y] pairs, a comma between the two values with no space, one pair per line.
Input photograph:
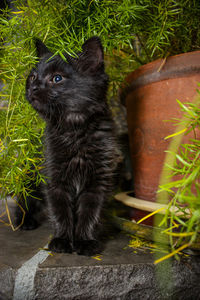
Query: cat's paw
[60,245]
[87,247]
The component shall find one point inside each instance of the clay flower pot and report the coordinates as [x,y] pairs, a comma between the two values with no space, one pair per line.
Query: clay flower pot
[150,98]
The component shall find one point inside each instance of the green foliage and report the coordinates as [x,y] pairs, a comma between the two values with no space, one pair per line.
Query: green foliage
[63,27]
[170,27]
[133,32]
[184,191]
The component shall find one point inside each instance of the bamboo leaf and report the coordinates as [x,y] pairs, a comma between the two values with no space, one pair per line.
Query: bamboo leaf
[172,253]
[176,133]
[151,214]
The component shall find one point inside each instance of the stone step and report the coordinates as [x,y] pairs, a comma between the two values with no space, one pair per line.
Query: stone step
[120,272]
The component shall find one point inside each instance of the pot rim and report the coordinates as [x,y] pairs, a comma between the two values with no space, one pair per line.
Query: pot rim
[177,66]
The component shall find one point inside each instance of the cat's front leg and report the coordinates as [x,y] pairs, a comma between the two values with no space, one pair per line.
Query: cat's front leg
[88,218]
[60,208]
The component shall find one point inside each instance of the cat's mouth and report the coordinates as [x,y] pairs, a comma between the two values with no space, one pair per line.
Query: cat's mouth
[32,97]
[34,100]
[36,103]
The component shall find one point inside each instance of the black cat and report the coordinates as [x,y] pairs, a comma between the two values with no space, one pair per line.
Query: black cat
[80,146]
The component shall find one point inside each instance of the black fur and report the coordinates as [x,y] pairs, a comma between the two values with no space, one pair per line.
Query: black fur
[80,145]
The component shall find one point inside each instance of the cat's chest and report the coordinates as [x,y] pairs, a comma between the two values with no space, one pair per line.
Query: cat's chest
[74,152]
[70,152]
[71,169]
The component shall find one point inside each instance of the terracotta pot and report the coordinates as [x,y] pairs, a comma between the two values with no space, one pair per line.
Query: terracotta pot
[150,98]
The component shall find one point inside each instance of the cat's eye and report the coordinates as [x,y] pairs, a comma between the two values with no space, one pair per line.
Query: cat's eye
[57,78]
[32,77]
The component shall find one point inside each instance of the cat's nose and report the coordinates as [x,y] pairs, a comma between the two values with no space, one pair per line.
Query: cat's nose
[37,85]
[35,88]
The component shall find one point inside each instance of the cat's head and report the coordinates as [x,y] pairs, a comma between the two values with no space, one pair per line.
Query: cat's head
[56,88]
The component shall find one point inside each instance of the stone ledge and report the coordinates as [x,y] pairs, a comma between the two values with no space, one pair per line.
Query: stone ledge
[119,274]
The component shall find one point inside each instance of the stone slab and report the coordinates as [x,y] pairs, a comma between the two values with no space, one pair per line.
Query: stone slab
[15,249]
[118,273]
[19,246]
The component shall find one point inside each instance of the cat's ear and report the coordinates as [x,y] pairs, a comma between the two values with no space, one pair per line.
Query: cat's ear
[91,59]
[41,49]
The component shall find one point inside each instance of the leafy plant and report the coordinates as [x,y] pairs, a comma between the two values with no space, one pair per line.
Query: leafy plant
[133,32]
[184,191]
[60,28]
